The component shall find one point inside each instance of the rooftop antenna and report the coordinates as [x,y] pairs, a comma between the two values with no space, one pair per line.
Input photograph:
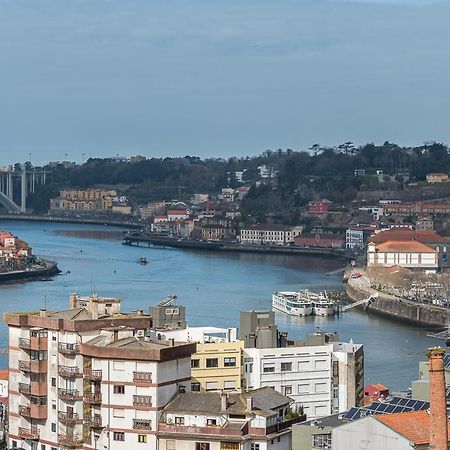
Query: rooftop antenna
[45,302]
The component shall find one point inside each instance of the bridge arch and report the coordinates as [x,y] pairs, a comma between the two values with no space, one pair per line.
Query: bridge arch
[8,203]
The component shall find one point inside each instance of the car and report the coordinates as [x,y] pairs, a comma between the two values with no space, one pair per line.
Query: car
[356,275]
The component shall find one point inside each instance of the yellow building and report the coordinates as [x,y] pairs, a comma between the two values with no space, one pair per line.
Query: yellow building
[217,366]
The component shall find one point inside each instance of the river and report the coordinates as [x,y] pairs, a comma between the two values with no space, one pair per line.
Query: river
[214,287]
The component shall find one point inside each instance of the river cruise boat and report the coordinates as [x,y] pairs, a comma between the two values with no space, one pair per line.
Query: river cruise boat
[292,303]
[303,303]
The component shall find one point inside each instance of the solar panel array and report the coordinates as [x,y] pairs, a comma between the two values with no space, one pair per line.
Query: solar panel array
[396,405]
[447,360]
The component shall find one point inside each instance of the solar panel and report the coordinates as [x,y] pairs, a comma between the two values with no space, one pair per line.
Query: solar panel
[403,401]
[349,415]
[447,360]
[447,393]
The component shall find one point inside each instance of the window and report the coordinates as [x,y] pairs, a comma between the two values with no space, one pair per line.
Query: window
[53,382]
[229,362]
[118,412]
[170,444]
[119,389]
[321,387]
[286,366]
[229,446]
[195,387]
[211,422]
[249,367]
[211,385]
[303,388]
[303,365]
[212,362]
[195,363]
[53,404]
[42,446]
[36,355]
[179,420]
[54,427]
[229,384]
[269,368]
[53,448]
[321,440]
[202,446]
[254,446]
[14,444]
[286,390]
[321,364]
[118,436]
[142,438]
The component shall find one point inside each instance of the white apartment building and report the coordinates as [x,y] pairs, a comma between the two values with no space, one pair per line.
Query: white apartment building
[85,378]
[257,420]
[269,234]
[200,335]
[322,379]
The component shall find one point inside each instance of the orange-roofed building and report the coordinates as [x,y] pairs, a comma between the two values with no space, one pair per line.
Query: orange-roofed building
[410,254]
[374,392]
[399,431]
[4,374]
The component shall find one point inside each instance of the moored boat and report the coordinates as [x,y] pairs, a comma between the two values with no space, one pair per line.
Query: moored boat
[303,303]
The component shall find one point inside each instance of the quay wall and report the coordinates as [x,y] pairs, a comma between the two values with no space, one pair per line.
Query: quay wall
[50,269]
[401,310]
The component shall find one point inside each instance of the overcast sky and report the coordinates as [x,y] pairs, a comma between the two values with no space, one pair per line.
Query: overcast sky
[219,78]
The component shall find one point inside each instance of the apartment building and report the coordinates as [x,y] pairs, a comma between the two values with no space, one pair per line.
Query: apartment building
[86,378]
[269,234]
[217,363]
[83,200]
[257,420]
[322,375]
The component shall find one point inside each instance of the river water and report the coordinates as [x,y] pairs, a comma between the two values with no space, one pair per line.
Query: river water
[214,287]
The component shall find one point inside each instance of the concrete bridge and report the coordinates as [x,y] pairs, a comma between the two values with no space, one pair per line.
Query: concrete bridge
[24,179]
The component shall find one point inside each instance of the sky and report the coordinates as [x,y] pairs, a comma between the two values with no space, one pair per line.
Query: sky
[219,78]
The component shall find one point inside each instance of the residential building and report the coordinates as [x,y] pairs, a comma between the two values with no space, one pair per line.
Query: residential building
[359,172]
[356,237]
[83,200]
[177,214]
[410,254]
[424,224]
[15,254]
[415,209]
[319,241]
[227,195]
[217,233]
[269,234]
[87,378]
[374,392]
[433,178]
[200,198]
[255,420]
[319,206]
[322,375]
[169,316]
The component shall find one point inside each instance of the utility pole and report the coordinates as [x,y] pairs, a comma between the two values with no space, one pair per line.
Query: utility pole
[82,158]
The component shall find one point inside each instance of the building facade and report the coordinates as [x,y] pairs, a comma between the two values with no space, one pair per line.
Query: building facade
[269,234]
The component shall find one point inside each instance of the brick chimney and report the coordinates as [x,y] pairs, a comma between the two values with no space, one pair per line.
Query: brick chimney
[438,407]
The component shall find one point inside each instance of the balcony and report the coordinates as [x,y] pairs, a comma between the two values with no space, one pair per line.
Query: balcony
[69,394]
[39,341]
[69,418]
[69,372]
[25,343]
[29,433]
[94,375]
[25,366]
[93,398]
[142,400]
[142,424]
[68,349]
[39,389]
[142,377]
[25,388]
[38,366]
[94,421]
[33,411]
[70,441]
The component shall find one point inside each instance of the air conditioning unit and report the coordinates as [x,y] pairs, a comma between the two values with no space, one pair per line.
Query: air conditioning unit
[140,333]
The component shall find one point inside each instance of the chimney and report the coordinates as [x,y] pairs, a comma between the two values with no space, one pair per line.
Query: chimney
[250,403]
[43,313]
[438,407]
[223,401]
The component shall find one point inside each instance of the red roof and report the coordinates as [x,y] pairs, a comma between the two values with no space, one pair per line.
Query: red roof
[414,425]
[404,246]
[407,235]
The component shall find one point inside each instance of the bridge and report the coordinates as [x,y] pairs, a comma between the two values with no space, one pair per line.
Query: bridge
[25,180]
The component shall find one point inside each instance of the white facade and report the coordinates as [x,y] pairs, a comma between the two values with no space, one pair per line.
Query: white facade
[318,378]
[201,335]
[269,235]
[369,434]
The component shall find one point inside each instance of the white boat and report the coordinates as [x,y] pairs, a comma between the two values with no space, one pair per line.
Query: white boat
[303,303]
[292,303]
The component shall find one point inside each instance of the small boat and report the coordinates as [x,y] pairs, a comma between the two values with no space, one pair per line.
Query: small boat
[143,260]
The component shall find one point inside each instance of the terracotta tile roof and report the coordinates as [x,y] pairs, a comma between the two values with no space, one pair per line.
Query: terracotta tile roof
[414,425]
[380,387]
[407,235]
[404,246]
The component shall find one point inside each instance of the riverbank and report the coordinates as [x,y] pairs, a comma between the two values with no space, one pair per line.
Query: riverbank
[72,219]
[43,268]
[394,307]
[137,239]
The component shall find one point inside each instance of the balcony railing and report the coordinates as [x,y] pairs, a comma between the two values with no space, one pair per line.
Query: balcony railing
[69,418]
[93,374]
[24,343]
[142,377]
[33,411]
[69,372]
[24,366]
[24,411]
[69,394]
[142,400]
[94,421]
[25,388]
[94,398]
[29,433]
[68,349]
[70,441]
[142,424]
